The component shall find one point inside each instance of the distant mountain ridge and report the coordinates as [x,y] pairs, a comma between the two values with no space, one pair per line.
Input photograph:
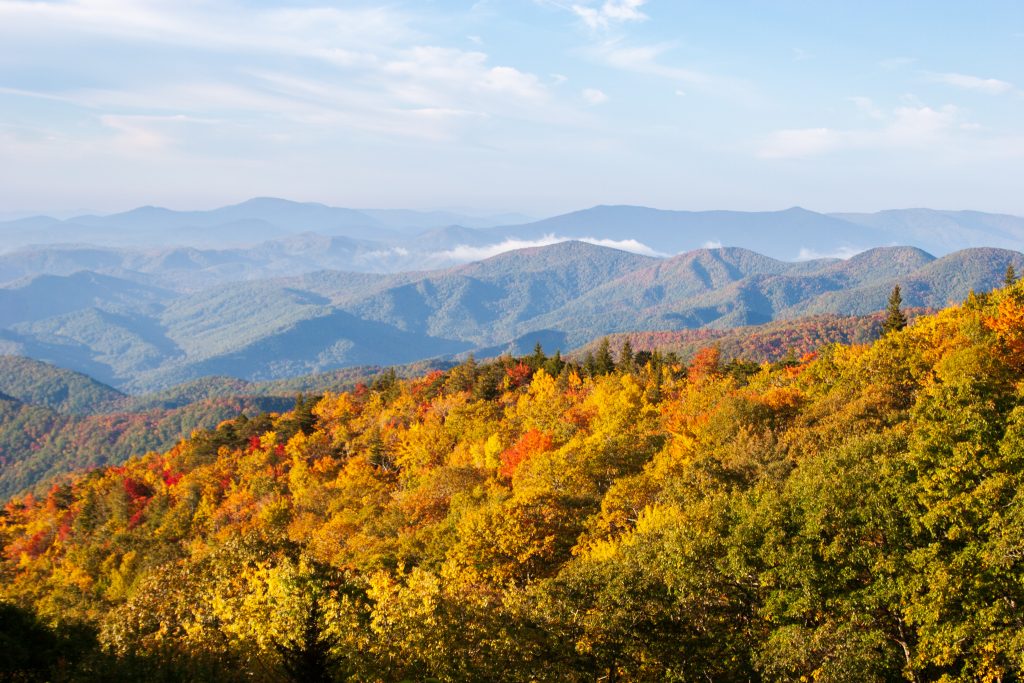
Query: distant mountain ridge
[140,338]
[250,222]
[268,237]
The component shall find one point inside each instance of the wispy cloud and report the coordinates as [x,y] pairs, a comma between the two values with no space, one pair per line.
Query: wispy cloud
[609,13]
[867,107]
[372,71]
[593,96]
[646,59]
[843,253]
[466,253]
[905,127]
[989,86]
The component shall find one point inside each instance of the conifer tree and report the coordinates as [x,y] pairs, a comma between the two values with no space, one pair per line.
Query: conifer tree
[554,365]
[895,320]
[603,362]
[538,358]
[1011,275]
[626,355]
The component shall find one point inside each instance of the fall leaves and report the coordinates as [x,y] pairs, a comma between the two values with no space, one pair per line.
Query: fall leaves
[847,515]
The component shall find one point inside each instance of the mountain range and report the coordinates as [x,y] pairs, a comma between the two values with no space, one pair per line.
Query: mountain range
[266,237]
[142,337]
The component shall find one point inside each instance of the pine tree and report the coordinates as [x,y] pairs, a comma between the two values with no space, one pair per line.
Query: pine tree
[1011,275]
[554,365]
[537,360]
[626,355]
[309,657]
[895,320]
[603,361]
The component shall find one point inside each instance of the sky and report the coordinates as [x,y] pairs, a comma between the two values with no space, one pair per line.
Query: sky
[534,106]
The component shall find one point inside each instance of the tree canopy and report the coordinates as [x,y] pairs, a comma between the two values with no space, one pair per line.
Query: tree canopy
[847,515]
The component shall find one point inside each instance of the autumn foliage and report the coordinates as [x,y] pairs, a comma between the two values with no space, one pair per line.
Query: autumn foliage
[855,513]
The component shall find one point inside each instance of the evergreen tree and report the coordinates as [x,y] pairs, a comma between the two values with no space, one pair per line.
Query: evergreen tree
[895,320]
[626,356]
[603,362]
[536,361]
[309,657]
[554,365]
[1011,275]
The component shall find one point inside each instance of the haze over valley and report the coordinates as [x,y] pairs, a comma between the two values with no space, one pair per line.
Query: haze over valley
[338,288]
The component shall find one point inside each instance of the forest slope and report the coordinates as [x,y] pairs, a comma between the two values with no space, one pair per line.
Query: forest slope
[855,515]
[137,338]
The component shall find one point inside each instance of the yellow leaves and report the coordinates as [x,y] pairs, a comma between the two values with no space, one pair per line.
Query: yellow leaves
[483,455]
[542,408]
[784,401]
[1008,325]
[652,521]
[335,414]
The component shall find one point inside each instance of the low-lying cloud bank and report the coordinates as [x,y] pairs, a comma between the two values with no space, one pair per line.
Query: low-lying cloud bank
[465,252]
[841,253]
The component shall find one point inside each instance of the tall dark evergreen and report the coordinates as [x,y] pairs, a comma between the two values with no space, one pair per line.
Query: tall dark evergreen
[309,658]
[604,363]
[626,355]
[554,365]
[1011,275]
[537,359]
[895,320]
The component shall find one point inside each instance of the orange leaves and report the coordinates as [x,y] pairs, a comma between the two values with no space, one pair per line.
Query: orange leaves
[519,374]
[782,399]
[529,444]
[705,363]
[1008,325]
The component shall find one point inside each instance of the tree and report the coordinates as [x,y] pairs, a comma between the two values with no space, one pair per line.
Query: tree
[603,362]
[895,319]
[536,361]
[626,355]
[554,365]
[309,657]
[1011,275]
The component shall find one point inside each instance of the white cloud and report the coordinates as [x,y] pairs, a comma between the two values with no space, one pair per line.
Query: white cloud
[361,69]
[612,11]
[593,96]
[840,253]
[466,253]
[644,59]
[712,244]
[633,246]
[989,86]
[867,107]
[799,143]
[649,60]
[905,127]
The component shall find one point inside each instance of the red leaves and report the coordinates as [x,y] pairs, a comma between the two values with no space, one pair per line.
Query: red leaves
[136,519]
[171,478]
[519,374]
[529,444]
[136,489]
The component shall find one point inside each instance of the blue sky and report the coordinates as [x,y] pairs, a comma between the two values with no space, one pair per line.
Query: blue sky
[538,106]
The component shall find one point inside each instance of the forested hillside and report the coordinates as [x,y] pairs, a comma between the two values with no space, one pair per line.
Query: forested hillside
[141,338]
[850,516]
[54,421]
